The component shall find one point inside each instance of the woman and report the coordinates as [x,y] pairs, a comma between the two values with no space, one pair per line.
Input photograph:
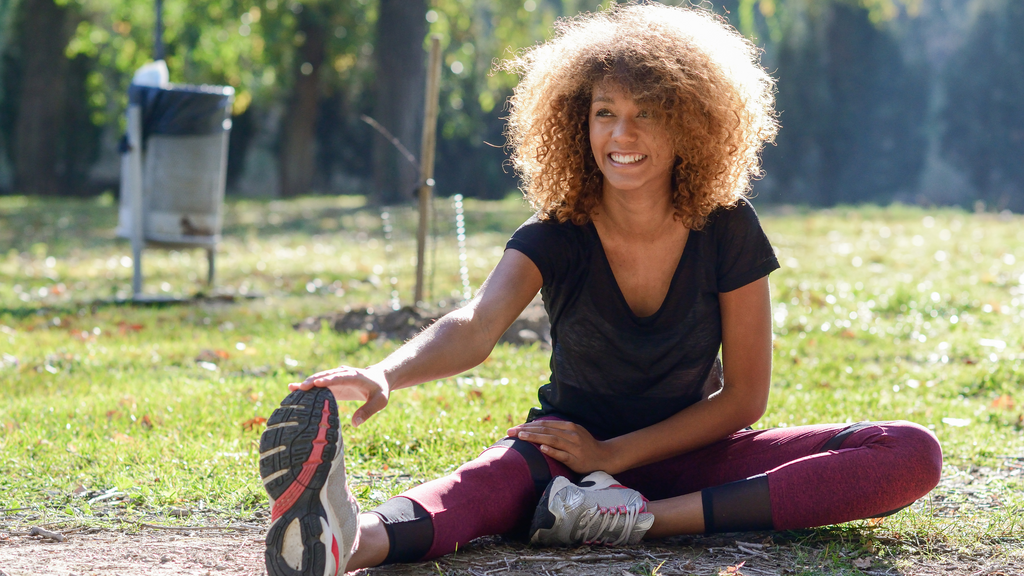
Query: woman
[636,132]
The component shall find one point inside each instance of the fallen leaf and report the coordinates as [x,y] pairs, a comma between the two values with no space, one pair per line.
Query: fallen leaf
[862,563]
[848,333]
[124,327]
[207,355]
[147,423]
[732,570]
[487,418]
[122,438]
[1003,402]
[876,521]
[475,394]
[79,490]
[252,423]
[111,414]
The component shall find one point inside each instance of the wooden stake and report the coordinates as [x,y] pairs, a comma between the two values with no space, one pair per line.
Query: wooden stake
[427,147]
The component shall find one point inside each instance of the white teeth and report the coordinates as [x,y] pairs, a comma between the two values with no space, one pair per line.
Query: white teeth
[626,158]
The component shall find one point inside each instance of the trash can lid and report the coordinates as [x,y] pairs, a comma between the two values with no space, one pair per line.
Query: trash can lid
[183,110]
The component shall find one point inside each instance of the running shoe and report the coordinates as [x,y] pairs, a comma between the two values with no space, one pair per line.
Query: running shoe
[313,523]
[598,510]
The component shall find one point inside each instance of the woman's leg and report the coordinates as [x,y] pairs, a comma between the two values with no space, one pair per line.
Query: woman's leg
[494,494]
[790,478]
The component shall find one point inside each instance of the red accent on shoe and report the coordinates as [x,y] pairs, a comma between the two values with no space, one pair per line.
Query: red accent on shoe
[291,495]
[337,556]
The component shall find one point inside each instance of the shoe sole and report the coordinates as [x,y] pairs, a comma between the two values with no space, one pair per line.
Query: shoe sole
[299,450]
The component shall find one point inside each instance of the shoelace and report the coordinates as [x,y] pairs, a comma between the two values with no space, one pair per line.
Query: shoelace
[598,520]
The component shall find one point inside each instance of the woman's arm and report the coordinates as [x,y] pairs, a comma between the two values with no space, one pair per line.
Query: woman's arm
[747,361]
[455,343]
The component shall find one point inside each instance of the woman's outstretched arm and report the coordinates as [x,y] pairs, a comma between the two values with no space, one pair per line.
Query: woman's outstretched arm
[455,343]
[747,362]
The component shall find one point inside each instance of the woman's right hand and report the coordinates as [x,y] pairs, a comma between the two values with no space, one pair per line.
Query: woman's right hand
[346,383]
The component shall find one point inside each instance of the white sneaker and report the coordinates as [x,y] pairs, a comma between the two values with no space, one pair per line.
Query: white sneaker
[313,516]
[596,511]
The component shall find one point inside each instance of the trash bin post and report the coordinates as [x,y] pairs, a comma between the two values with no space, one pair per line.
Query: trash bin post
[210,252]
[135,195]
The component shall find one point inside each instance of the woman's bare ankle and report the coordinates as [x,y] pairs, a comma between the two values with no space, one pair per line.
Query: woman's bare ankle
[372,546]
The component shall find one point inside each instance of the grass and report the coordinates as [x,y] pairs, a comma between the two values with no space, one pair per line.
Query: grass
[881,313]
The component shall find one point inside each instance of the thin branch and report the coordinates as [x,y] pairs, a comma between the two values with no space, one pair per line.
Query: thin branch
[391,138]
[192,528]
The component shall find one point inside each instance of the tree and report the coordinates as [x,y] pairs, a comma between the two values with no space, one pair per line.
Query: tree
[984,112]
[400,75]
[37,78]
[852,110]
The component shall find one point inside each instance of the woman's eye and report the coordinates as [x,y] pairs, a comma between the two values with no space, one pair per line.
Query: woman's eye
[643,114]
[603,112]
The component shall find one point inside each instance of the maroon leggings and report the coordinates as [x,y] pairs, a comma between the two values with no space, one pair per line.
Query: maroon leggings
[814,475]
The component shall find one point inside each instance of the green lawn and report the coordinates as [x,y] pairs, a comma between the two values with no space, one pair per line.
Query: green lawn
[881,313]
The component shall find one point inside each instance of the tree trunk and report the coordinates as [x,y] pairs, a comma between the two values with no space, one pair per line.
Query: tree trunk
[401,72]
[297,154]
[44,34]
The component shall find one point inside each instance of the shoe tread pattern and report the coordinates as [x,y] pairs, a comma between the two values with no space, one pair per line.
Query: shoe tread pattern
[299,445]
[298,439]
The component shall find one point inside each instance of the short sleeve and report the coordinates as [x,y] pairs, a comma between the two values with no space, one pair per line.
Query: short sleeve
[744,253]
[547,244]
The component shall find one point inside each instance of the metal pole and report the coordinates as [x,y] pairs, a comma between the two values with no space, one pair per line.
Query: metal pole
[158,31]
[430,109]
[136,197]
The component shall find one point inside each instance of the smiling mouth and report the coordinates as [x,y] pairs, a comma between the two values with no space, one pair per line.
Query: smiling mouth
[619,158]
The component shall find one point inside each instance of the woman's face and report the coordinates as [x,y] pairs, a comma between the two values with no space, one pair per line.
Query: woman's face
[632,148]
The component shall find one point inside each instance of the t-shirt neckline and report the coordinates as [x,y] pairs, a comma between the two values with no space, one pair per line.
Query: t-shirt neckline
[672,286]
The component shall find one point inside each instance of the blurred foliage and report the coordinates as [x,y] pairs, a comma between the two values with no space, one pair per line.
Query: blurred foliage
[863,98]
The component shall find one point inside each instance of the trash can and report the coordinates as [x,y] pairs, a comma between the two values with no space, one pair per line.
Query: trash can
[173,169]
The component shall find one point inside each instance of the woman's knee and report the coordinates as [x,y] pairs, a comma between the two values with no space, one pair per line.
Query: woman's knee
[919,453]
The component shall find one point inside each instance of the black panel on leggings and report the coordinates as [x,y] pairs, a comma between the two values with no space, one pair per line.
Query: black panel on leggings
[740,506]
[409,527]
[539,471]
[836,442]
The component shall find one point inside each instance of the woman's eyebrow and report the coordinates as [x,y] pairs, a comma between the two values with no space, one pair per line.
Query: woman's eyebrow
[600,98]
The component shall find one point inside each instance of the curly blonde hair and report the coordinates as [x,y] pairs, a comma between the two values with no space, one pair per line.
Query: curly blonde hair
[702,78]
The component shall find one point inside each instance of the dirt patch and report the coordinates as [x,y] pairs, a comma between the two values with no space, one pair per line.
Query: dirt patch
[152,552]
[531,326]
[140,554]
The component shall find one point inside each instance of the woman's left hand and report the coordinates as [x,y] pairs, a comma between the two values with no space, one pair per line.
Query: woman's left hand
[566,442]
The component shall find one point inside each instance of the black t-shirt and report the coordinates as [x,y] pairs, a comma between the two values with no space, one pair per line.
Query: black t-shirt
[612,371]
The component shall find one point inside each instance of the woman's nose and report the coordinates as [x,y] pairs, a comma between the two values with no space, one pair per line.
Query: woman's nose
[625,129]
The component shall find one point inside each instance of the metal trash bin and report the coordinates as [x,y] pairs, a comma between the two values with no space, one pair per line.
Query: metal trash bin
[173,169]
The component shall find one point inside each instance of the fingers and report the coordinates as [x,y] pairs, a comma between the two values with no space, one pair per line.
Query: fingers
[560,455]
[331,376]
[375,403]
[542,426]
